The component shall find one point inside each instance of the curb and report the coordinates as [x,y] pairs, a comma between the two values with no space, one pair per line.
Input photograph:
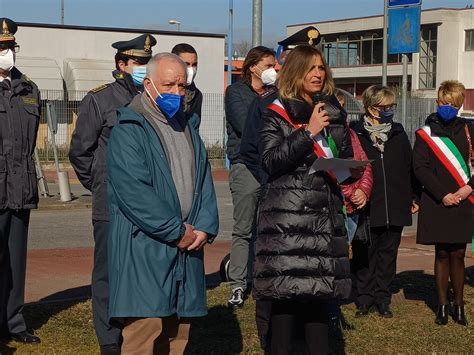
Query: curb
[45,203]
[63,206]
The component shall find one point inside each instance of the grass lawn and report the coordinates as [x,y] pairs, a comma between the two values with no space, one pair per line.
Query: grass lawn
[67,328]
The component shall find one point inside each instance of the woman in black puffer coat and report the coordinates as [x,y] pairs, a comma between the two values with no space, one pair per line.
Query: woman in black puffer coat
[301,250]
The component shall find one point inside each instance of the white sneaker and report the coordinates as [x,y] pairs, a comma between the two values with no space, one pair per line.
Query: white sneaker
[236,297]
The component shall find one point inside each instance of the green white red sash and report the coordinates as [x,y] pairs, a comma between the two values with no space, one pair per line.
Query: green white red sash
[448,154]
[321,147]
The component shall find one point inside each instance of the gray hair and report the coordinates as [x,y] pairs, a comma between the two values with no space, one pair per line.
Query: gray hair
[157,58]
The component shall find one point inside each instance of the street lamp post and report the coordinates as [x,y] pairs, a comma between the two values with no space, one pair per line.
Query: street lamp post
[385,43]
[257,23]
[174,22]
[62,12]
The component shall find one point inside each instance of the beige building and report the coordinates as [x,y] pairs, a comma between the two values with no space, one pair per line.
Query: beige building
[67,61]
[353,48]
[81,58]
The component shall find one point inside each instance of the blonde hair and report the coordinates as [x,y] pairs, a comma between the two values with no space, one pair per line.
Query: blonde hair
[374,95]
[297,64]
[452,92]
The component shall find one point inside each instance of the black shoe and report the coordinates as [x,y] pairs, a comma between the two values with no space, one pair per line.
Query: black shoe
[458,315]
[335,328]
[25,337]
[384,310]
[110,349]
[362,310]
[442,314]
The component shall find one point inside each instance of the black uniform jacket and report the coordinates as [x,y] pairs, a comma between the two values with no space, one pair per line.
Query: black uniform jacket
[19,120]
[193,100]
[97,116]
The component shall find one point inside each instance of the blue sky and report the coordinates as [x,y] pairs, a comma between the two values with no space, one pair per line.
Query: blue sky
[199,15]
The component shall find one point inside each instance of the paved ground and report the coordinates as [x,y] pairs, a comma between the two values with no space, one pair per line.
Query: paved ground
[60,254]
[65,273]
[59,224]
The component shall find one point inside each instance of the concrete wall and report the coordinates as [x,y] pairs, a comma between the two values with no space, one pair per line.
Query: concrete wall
[466,59]
[59,44]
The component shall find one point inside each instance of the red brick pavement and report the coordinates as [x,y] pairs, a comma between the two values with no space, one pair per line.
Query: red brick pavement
[65,273]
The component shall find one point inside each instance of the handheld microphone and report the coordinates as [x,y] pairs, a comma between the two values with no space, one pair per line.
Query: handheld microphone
[317,98]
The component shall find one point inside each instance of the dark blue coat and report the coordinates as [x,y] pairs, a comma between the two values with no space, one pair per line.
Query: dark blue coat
[20,111]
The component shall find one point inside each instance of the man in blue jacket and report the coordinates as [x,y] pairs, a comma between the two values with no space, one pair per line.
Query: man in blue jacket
[163,211]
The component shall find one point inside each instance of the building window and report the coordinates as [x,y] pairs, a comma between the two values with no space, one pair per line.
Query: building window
[354,49]
[428,54]
[469,40]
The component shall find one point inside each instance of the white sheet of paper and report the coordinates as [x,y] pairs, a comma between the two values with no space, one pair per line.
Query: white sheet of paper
[339,167]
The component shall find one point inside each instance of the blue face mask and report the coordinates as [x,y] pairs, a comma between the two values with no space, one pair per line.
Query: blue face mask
[386,116]
[447,113]
[169,104]
[138,74]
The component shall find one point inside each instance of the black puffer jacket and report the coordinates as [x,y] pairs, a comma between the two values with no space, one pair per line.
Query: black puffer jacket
[301,250]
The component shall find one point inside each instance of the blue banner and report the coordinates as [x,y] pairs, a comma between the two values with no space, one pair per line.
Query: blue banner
[404,30]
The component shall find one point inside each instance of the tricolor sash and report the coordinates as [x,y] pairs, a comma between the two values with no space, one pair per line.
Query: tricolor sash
[321,147]
[449,155]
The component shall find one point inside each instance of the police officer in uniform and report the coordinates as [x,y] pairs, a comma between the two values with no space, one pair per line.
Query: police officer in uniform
[97,116]
[19,120]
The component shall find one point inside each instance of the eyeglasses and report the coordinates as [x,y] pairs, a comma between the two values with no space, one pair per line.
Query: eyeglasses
[386,108]
[3,49]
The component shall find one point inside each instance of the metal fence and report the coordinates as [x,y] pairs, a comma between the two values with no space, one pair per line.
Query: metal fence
[212,131]
[212,128]
[418,109]
[66,105]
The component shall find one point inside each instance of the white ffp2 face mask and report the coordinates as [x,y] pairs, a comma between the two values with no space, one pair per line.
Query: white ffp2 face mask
[7,60]
[191,74]
[269,76]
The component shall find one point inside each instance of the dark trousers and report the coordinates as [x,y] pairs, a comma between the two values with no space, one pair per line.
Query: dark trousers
[106,334]
[375,265]
[13,247]
[263,314]
[288,316]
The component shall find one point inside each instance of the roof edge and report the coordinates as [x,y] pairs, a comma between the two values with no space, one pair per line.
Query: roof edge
[117,29]
[373,16]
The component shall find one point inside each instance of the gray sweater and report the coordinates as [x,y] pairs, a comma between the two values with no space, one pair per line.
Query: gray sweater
[176,141]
